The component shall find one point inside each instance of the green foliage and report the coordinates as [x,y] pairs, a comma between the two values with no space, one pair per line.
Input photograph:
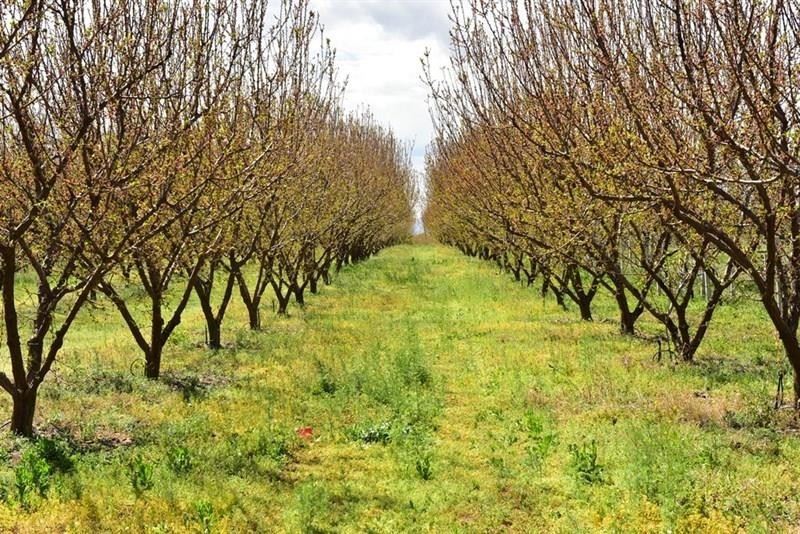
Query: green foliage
[540,442]
[261,452]
[371,432]
[204,516]
[410,366]
[275,444]
[57,453]
[584,462]
[422,463]
[179,459]
[757,413]
[311,506]
[140,475]
[190,387]
[101,381]
[39,463]
[325,384]
[32,476]
[660,464]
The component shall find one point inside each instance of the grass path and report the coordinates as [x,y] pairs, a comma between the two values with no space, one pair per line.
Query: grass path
[441,397]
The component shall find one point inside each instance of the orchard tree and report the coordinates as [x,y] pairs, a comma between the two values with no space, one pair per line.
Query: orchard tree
[70,154]
[201,177]
[584,110]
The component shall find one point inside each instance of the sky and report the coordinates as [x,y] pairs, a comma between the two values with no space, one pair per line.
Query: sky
[379,44]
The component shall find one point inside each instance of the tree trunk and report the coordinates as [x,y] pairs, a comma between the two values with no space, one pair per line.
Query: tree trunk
[23,411]
[152,366]
[685,352]
[283,303]
[791,346]
[688,345]
[796,373]
[627,318]
[299,295]
[214,332]
[312,285]
[214,320]
[251,301]
[559,298]
[254,315]
[585,305]
[627,322]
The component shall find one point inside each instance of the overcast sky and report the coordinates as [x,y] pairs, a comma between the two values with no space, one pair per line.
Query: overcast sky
[379,44]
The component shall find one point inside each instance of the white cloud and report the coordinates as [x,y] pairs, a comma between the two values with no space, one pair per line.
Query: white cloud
[379,44]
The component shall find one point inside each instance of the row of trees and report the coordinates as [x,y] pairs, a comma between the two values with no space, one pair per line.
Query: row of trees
[650,148]
[171,148]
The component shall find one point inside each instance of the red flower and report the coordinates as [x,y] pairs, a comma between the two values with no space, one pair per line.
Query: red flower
[305,432]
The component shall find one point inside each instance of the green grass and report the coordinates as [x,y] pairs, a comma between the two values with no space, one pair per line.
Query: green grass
[440,395]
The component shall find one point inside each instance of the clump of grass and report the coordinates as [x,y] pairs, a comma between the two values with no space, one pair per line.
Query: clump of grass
[370,432]
[541,442]
[423,463]
[410,366]
[204,516]
[312,505]
[140,475]
[32,477]
[100,381]
[275,444]
[262,452]
[39,465]
[56,452]
[325,383]
[179,459]
[585,464]
[191,387]
[756,413]
[660,463]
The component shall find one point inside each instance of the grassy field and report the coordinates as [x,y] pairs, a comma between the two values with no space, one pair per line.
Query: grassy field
[423,391]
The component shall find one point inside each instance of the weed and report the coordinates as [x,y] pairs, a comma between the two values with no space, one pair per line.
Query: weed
[710,457]
[372,432]
[204,516]
[326,384]
[265,452]
[179,459]
[422,464]
[140,474]
[500,465]
[103,381]
[540,443]
[757,413]
[38,465]
[191,387]
[584,463]
[419,450]
[457,376]
[312,504]
[57,453]
[410,366]
[660,462]
[234,457]
[274,444]
[32,476]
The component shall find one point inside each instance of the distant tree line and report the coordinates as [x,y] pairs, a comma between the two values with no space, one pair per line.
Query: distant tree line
[175,147]
[648,148]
